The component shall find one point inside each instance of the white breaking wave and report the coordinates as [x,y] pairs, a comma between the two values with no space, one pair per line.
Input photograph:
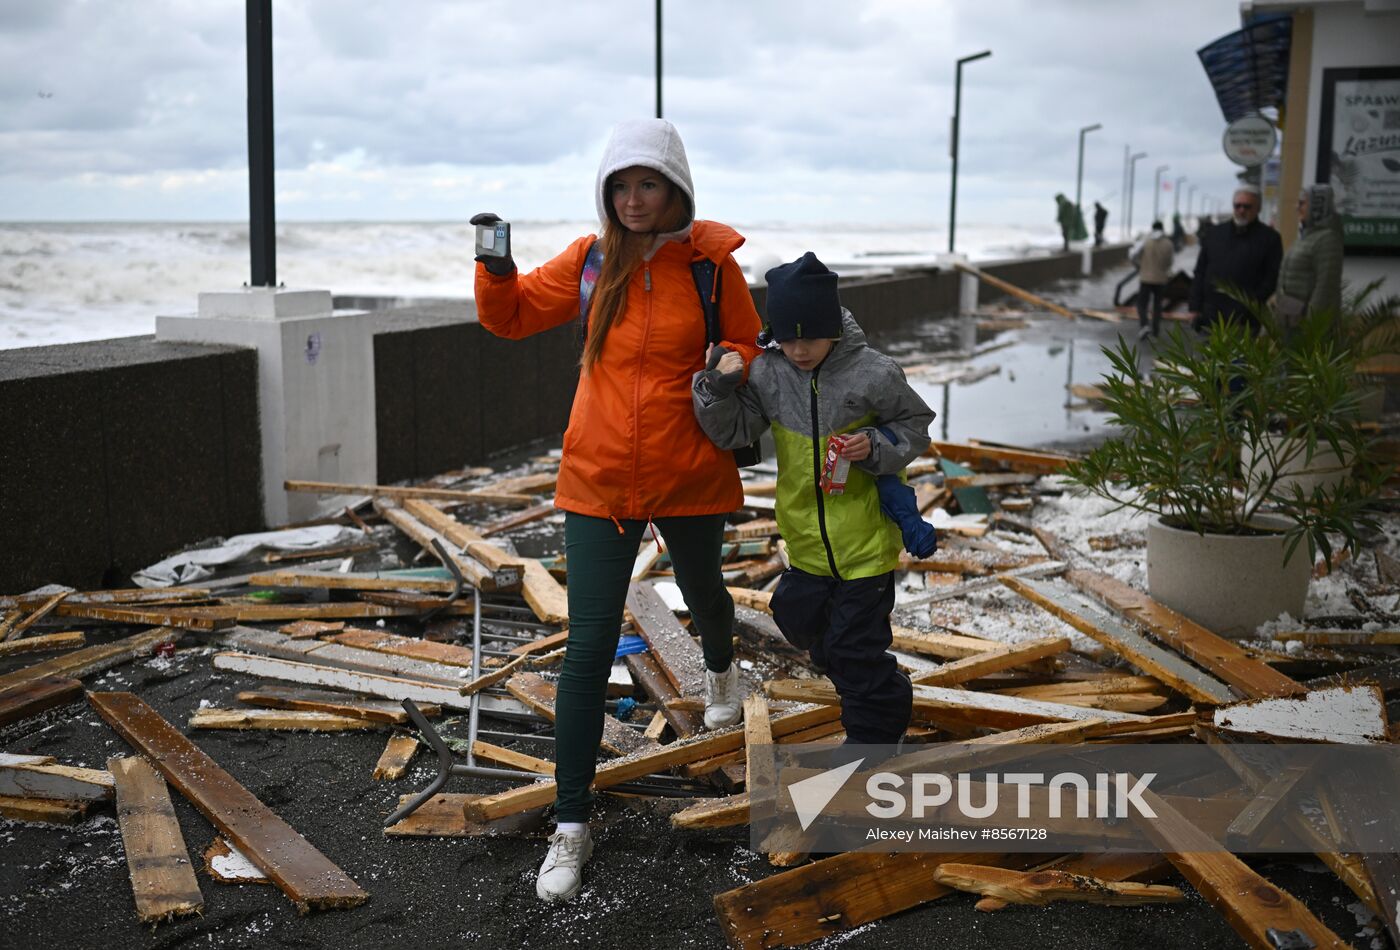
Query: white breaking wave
[64,283]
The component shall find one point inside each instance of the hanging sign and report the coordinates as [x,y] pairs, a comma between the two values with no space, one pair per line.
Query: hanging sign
[1250,140]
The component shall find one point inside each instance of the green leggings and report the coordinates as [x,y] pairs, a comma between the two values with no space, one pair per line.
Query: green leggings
[600,559]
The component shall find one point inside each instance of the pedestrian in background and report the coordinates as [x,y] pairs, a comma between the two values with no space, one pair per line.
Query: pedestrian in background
[1154,261]
[1243,253]
[1310,279]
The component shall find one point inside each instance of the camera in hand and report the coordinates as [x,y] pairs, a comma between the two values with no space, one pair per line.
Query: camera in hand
[493,240]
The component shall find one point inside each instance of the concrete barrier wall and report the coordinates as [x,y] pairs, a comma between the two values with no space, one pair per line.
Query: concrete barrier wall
[116,453]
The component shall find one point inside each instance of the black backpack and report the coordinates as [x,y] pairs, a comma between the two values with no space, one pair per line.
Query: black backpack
[707,284]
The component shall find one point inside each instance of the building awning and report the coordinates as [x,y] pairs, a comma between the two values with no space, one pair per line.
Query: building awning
[1249,68]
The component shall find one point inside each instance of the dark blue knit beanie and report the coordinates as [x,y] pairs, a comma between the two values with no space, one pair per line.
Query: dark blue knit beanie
[802,301]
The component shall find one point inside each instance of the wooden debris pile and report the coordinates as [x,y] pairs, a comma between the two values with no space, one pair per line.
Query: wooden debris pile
[327,647]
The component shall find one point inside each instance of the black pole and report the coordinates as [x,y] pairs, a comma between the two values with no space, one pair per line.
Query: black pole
[957,117]
[658,59]
[262,223]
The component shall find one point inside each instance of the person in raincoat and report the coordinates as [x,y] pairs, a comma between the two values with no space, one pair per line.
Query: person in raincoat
[1310,277]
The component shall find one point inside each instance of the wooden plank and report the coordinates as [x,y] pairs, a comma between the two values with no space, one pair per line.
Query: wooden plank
[304,874]
[227,865]
[276,719]
[327,653]
[647,674]
[337,581]
[681,752]
[510,522]
[1003,657]
[67,640]
[534,483]
[647,556]
[542,645]
[546,596]
[54,781]
[679,656]
[943,645]
[1168,667]
[448,654]
[1220,657]
[1344,715]
[32,697]
[144,616]
[223,616]
[1250,904]
[162,878]
[16,630]
[313,674]
[309,629]
[332,701]
[89,660]
[132,595]
[1018,460]
[394,760]
[1044,569]
[443,816]
[1043,887]
[755,599]
[1249,825]
[537,693]
[512,758]
[465,538]
[43,810]
[401,492]
[490,679]
[714,812]
[475,573]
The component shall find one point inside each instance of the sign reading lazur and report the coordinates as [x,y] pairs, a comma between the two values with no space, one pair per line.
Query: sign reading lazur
[1250,140]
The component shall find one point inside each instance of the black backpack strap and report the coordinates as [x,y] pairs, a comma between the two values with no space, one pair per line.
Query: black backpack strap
[707,284]
[587,280]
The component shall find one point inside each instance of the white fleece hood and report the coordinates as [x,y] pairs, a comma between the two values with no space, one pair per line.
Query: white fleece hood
[653,143]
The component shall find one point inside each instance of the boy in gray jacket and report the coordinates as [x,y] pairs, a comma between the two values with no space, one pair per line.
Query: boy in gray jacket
[817,378]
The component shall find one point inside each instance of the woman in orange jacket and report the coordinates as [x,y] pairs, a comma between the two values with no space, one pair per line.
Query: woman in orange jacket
[633,451]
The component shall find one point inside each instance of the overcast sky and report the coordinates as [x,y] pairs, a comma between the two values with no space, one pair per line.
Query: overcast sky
[792,110]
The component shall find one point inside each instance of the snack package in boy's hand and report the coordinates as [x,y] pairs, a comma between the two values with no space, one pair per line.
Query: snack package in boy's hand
[836,469]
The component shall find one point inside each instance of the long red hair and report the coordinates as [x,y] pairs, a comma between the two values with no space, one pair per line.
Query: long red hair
[623,250]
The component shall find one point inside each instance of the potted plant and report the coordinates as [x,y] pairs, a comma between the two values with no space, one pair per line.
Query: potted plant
[1226,546]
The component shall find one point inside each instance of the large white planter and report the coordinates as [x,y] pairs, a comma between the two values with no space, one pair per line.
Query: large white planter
[1325,468]
[1229,584]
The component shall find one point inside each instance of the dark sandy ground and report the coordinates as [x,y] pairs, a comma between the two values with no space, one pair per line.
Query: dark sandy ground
[647,886]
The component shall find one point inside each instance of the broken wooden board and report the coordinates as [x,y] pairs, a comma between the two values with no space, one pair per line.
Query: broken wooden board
[89,660]
[394,760]
[54,781]
[1007,287]
[1001,657]
[222,616]
[512,758]
[304,874]
[304,629]
[1248,826]
[277,719]
[681,752]
[647,674]
[44,810]
[487,680]
[1018,460]
[332,701]
[1222,658]
[17,629]
[461,496]
[132,595]
[444,816]
[546,596]
[1249,903]
[465,538]
[1347,715]
[162,876]
[30,698]
[475,573]
[329,653]
[431,651]
[1044,569]
[1336,638]
[542,645]
[754,599]
[539,694]
[1043,887]
[512,521]
[942,645]
[679,656]
[361,582]
[1168,667]
[312,674]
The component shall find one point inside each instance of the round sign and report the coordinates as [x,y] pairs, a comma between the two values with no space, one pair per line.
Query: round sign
[1250,140]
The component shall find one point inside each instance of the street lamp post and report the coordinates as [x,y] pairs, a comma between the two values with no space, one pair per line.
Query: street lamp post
[1176,196]
[262,212]
[658,59]
[1132,183]
[1157,191]
[1190,197]
[953,145]
[1079,176]
[1123,197]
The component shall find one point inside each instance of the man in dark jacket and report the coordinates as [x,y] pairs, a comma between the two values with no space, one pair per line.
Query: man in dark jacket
[1243,252]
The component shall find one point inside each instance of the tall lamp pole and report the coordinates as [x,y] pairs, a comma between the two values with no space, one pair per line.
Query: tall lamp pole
[262,223]
[658,59]
[1132,183]
[953,145]
[1157,191]
[1123,196]
[1079,175]
[1190,198]
[1176,195]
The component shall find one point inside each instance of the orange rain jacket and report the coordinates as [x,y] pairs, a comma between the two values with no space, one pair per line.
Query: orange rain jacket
[633,448]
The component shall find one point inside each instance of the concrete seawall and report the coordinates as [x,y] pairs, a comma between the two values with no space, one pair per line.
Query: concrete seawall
[117,452]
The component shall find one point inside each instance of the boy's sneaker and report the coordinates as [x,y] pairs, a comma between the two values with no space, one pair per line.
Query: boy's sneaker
[723,706]
[561,874]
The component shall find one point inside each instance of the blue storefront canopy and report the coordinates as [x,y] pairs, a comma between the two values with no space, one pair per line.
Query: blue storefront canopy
[1249,68]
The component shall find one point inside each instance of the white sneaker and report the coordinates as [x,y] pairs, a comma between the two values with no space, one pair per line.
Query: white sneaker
[561,874]
[722,704]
